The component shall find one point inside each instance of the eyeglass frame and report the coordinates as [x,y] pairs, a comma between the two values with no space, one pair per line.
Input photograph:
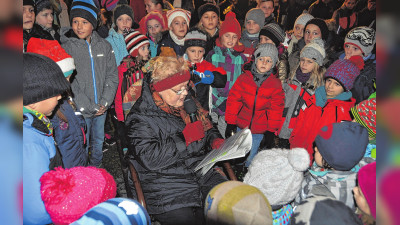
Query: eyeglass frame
[187,88]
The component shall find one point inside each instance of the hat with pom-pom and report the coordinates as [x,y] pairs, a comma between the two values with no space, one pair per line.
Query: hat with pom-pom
[367,182]
[278,173]
[342,145]
[363,38]
[68,193]
[274,32]
[345,71]
[314,50]
[134,41]
[116,211]
[231,24]
[236,203]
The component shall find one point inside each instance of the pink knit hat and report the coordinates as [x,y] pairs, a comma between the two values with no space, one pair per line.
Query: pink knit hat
[367,183]
[68,193]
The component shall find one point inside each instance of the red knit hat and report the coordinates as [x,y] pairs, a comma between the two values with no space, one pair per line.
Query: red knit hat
[365,114]
[134,40]
[153,15]
[367,183]
[68,193]
[231,24]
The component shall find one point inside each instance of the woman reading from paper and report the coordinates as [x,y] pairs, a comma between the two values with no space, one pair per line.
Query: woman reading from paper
[166,143]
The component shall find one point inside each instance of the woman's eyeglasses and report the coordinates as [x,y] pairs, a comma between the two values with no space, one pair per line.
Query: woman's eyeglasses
[184,88]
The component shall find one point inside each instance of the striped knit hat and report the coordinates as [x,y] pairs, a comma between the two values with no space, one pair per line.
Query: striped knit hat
[344,71]
[236,203]
[195,38]
[172,14]
[85,9]
[363,38]
[274,32]
[134,40]
[116,211]
[365,114]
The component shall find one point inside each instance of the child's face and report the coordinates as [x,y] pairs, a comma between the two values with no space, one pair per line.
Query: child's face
[317,157]
[252,27]
[150,6]
[45,18]
[298,31]
[306,65]
[82,28]
[350,4]
[265,39]
[229,40]
[144,51]
[124,22]
[352,50]
[333,88]
[264,64]
[361,200]
[28,17]
[312,31]
[46,106]
[267,8]
[179,27]
[209,20]
[153,27]
[195,54]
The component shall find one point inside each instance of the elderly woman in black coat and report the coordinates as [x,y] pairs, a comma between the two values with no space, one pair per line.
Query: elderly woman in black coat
[165,145]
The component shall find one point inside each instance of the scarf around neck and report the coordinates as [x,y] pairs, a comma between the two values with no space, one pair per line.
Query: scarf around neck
[43,119]
[180,42]
[321,99]
[259,78]
[302,77]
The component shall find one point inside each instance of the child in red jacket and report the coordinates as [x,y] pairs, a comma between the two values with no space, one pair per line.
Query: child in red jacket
[331,103]
[256,100]
[203,73]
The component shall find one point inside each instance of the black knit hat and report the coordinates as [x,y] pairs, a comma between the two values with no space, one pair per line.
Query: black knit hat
[43,78]
[273,32]
[206,8]
[43,4]
[195,37]
[121,10]
[86,9]
[322,26]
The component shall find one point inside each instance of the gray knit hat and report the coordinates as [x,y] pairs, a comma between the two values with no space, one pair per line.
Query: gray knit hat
[274,32]
[278,173]
[267,50]
[362,37]
[195,38]
[121,10]
[257,15]
[314,50]
[303,19]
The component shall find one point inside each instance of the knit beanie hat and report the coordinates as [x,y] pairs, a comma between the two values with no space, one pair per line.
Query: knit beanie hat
[43,78]
[207,8]
[363,38]
[367,183]
[342,145]
[230,24]
[344,71]
[236,203]
[195,38]
[135,40]
[116,211]
[43,4]
[172,14]
[121,10]
[318,210]
[69,193]
[267,50]
[274,32]
[303,19]
[257,15]
[322,26]
[29,2]
[53,50]
[278,173]
[314,50]
[85,9]
[110,4]
[365,114]
[153,15]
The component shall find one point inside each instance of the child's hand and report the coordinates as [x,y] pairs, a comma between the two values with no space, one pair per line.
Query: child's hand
[101,111]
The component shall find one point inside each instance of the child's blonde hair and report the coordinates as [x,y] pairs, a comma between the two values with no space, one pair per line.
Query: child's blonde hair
[316,78]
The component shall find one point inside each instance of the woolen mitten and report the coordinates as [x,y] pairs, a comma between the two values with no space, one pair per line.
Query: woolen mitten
[193,132]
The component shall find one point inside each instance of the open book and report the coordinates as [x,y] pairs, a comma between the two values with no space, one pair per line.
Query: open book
[236,146]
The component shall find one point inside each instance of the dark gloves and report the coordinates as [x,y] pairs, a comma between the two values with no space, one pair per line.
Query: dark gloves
[268,140]
[193,132]
[230,130]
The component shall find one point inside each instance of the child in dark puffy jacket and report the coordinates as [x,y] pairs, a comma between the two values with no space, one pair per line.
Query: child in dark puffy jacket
[203,73]
[256,100]
[253,23]
[68,123]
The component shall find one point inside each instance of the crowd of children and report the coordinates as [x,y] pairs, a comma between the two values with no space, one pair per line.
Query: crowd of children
[307,94]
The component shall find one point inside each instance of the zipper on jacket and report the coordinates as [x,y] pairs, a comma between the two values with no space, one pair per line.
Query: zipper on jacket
[254,109]
[93,73]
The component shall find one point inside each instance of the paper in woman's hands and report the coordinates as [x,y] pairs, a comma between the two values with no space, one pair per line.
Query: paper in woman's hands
[236,146]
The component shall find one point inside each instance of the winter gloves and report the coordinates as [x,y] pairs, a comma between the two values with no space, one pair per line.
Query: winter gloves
[207,77]
[193,132]
[230,130]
